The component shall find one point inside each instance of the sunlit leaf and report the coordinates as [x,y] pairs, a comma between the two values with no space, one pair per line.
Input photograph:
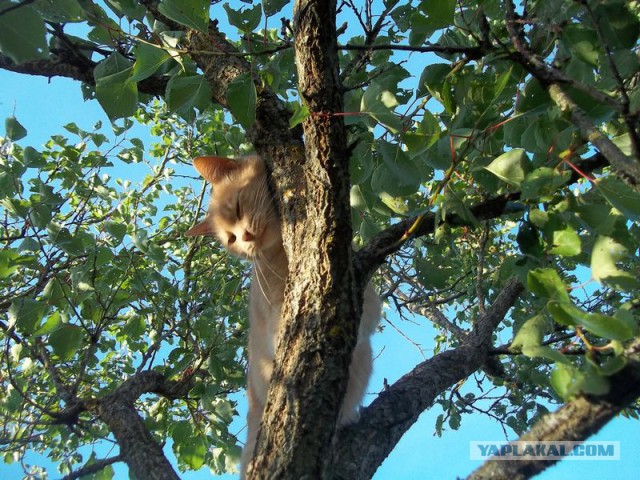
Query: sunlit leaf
[191,13]
[607,252]
[511,167]
[242,98]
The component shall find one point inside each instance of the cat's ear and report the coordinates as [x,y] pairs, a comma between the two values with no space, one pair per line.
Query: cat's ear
[202,228]
[213,169]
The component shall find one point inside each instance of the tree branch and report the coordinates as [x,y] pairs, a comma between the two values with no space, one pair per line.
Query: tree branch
[388,241]
[92,468]
[359,449]
[56,67]
[575,421]
[391,240]
[139,449]
[625,166]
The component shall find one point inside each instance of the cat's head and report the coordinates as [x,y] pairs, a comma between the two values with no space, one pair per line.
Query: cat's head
[241,211]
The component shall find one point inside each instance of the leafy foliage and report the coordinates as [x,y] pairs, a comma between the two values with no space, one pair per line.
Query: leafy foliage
[96,282]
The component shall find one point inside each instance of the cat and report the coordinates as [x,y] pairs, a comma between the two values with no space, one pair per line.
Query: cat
[243,217]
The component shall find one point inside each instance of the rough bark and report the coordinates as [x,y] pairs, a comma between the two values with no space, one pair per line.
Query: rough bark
[138,448]
[57,67]
[321,309]
[361,448]
[575,421]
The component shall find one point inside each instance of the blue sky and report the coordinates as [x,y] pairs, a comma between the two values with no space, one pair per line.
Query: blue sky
[43,107]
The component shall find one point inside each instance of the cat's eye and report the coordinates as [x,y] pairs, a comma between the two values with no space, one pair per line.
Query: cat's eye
[232,238]
[238,208]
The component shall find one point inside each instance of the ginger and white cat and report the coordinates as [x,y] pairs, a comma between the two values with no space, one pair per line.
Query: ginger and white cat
[243,217]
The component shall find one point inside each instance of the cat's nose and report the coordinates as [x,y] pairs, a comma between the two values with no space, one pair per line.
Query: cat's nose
[248,236]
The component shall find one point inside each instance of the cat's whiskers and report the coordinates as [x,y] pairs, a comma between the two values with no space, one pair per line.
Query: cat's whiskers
[259,273]
[271,269]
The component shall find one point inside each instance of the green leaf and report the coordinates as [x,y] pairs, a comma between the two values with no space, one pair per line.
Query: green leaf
[565,313]
[148,59]
[432,275]
[66,341]
[582,42]
[529,240]
[245,20]
[607,327]
[135,327]
[22,33]
[611,365]
[300,114]
[398,175]
[59,11]
[189,447]
[116,92]
[440,13]
[51,325]
[621,196]
[25,314]
[361,164]
[40,215]
[378,103]
[427,134]
[241,96]
[7,265]
[396,205]
[72,245]
[511,167]
[501,83]
[191,13]
[116,230]
[185,93]
[531,332]
[607,252]
[613,328]
[568,381]
[15,130]
[566,242]
[542,351]
[127,8]
[432,79]
[561,378]
[546,283]
[271,7]
[543,183]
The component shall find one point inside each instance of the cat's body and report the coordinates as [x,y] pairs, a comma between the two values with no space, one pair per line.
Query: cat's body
[243,217]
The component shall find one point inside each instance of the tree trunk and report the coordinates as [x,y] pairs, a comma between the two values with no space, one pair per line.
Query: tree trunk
[322,307]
